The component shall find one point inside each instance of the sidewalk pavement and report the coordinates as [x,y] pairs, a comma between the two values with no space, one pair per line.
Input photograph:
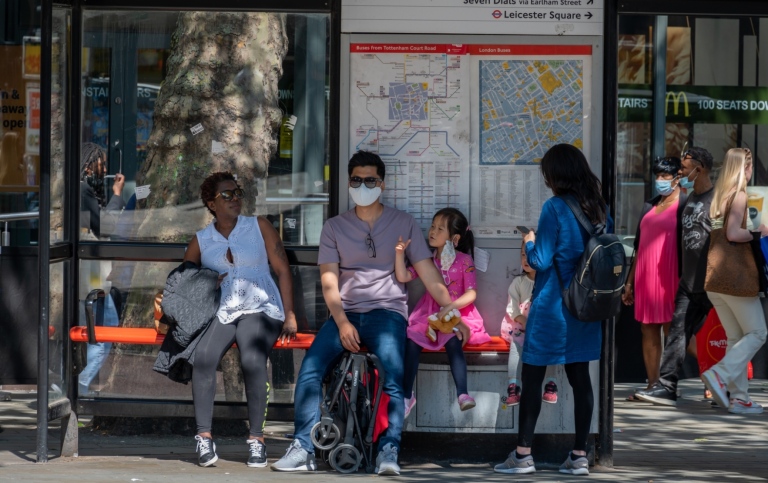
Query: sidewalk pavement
[692,442]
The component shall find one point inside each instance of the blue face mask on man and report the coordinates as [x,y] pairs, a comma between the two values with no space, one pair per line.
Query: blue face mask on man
[664,186]
[686,183]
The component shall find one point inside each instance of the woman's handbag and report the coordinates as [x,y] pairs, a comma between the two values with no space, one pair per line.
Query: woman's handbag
[731,267]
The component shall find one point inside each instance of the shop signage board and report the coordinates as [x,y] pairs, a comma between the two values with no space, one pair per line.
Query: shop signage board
[519,17]
[699,104]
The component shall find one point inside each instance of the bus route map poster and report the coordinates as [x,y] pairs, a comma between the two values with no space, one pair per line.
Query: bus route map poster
[529,98]
[410,104]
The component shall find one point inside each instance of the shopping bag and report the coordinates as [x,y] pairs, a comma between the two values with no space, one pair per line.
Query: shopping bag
[711,343]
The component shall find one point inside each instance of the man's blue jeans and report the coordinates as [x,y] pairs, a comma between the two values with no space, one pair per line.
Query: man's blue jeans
[97,353]
[382,332]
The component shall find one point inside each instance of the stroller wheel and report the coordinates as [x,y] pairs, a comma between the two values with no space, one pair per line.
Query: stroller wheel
[325,455]
[345,458]
[325,436]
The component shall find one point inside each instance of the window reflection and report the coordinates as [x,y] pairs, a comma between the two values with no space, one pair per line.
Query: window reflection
[711,99]
[172,97]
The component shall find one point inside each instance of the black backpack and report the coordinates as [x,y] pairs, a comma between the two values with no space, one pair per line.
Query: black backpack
[594,293]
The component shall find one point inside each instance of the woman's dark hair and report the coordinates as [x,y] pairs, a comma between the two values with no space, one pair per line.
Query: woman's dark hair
[366,158]
[669,165]
[89,154]
[458,225]
[211,183]
[566,171]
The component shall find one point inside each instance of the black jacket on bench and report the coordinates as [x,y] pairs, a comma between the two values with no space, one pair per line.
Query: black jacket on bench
[190,302]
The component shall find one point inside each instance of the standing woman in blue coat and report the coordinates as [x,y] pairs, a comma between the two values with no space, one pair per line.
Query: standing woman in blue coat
[554,336]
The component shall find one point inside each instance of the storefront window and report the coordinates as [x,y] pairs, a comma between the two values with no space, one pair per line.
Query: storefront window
[19,117]
[715,96]
[171,97]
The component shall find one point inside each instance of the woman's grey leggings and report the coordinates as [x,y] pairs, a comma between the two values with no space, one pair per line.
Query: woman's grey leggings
[255,335]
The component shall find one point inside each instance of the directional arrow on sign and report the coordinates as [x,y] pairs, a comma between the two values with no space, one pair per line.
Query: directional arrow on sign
[588,15]
[590,2]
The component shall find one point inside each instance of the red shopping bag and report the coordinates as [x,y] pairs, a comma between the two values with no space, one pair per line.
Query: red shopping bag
[711,343]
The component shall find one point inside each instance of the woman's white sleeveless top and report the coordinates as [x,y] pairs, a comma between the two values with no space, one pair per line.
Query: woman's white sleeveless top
[248,287]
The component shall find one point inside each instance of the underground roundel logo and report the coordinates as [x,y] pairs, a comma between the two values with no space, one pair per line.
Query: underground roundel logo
[496,14]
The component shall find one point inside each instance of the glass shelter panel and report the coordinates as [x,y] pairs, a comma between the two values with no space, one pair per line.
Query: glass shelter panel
[170,97]
[123,370]
[57,333]
[714,95]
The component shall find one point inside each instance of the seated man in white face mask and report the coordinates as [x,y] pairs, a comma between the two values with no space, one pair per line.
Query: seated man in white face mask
[367,305]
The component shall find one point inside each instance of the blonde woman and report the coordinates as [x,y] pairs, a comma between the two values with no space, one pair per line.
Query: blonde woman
[742,317]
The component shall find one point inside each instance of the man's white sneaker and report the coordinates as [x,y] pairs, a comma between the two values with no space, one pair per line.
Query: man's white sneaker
[386,461]
[295,459]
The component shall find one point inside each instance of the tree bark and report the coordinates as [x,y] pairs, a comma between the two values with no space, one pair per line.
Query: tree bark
[222,76]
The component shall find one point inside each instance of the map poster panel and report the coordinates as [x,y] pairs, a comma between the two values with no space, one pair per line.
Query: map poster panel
[528,98]
[410,104]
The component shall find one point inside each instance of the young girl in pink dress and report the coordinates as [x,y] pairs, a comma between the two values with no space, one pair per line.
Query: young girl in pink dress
[452,239]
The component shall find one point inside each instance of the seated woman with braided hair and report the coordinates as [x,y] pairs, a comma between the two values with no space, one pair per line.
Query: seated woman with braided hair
[252,312]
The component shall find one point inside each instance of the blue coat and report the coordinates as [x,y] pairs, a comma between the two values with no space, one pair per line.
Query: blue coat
[552,335]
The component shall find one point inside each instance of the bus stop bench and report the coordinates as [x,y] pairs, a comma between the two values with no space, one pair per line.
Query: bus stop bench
[94,331]
[149,336]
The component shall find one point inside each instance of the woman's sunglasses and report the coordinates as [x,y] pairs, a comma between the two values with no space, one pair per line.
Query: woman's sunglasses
[229,195]
[370,183]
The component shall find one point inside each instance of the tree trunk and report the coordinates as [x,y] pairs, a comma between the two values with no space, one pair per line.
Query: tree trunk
[222,76]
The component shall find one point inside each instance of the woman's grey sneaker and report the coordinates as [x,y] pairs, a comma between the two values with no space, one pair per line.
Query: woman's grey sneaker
[257,454]
[206,451]
[579,466]
[386,461]
[513,465]
[296,459]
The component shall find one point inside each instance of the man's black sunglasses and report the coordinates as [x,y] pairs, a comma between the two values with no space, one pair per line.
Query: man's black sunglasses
[356,181]
[370,245]
[229,195]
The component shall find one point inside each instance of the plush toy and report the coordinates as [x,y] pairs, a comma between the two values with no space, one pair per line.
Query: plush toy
[447,325]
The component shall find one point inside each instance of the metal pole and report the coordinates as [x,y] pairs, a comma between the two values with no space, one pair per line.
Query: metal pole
[658,126]
[43,230]
[604,443]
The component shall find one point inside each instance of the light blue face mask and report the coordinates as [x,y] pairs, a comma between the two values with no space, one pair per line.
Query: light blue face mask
[664,187]
[686,183]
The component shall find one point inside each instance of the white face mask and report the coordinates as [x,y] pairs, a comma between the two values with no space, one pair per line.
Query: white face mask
[364,196]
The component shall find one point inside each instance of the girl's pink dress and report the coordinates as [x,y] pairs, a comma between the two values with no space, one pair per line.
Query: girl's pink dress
[459,278]
[656,277]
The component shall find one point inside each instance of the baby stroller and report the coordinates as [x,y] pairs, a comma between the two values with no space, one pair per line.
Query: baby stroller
[348,413]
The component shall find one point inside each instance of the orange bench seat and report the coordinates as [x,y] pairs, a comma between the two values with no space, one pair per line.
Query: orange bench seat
[149,336]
